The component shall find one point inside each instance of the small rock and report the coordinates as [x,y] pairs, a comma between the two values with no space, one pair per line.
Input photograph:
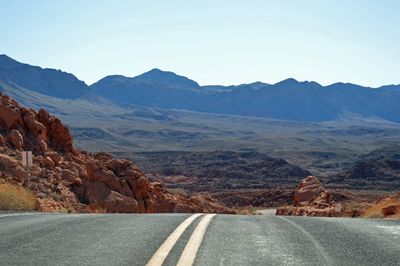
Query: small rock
[54,156]
[47,162]
[43,146]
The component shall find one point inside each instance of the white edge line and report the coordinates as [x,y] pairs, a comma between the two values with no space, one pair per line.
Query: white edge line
[162,252]
[189,253]
[16,214]
[311,238]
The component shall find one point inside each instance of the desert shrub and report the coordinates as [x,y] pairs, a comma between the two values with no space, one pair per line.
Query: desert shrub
[16,198]
[353,209]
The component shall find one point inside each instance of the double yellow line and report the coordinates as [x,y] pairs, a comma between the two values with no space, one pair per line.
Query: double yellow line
[189,253]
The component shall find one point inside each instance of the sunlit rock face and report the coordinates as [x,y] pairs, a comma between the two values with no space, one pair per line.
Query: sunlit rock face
[67,179]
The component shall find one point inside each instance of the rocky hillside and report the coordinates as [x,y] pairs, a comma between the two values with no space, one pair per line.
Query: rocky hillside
[219,170]
[47,81]
[377,170]
[388,207]
[66,179]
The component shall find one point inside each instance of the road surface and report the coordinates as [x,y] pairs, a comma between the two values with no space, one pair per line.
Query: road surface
[183,239]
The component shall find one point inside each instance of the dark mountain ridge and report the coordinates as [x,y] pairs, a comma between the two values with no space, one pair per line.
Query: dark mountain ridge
[286,100]
[47,81]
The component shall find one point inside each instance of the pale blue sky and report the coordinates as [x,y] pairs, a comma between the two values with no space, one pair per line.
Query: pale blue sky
[212,42]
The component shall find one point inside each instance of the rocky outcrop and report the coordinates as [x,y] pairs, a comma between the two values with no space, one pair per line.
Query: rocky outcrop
[66,179]
[13,167]
[388,208]
[180,203]
[15,139]
[9,115]
[310,192]
[311,199]
[59,135]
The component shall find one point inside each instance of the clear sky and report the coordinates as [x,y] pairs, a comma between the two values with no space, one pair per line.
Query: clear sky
[210,41]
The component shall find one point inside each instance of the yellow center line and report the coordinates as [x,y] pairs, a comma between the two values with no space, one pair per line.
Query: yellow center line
[159,256]
[189,253]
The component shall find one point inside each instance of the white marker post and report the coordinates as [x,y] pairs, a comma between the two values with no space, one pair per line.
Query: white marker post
[27,163]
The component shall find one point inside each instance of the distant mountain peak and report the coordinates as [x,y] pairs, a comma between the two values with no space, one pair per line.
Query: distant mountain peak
[7,61]
[46,81]
[157,70]
[168,77]
[289,81]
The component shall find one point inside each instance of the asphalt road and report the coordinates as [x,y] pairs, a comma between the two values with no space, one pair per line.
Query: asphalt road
[171,239]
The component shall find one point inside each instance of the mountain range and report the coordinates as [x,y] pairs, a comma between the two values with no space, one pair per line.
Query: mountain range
[167,123]
[286,100]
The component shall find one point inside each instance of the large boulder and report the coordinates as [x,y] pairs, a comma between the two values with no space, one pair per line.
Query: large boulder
[96,172]
[13,167]
[9,114]
[58,134]
[15,139]
[36,128]
[55,157]
[102,199]
[311,192]
[310,199]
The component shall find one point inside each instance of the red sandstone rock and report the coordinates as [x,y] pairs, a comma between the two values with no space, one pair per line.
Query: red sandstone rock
[55,157]
[15,139]
[165,201]
[308,190]
[43,146]
[102,198]
[9,115]
[36,128]
[390,210]
[66,179]
[13,167]
[47,162]
[49,205]
[58,134]
[310,199]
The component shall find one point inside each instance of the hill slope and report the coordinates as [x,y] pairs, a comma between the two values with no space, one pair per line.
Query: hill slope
[46,81]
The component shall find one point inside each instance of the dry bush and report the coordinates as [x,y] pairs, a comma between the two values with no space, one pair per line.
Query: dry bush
[16,198]
[353,209]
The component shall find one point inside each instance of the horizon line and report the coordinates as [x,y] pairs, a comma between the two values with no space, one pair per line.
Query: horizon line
[205,85]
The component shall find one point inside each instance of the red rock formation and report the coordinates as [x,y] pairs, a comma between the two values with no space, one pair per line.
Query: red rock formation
[2,141]
[388,207]
[9,115]
[13,167]
[59,135]
[180,203]
[64,178]
[310,192]
[310,199]
[15,139]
